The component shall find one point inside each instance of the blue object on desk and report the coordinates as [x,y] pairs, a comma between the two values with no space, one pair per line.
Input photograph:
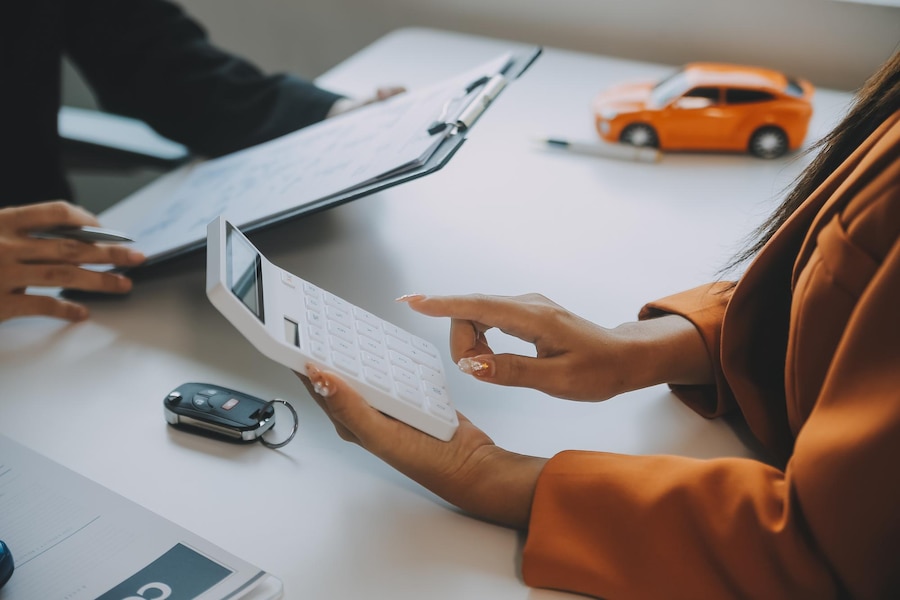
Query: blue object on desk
[6,564]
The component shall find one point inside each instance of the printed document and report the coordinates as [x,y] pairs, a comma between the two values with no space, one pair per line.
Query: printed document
[282,176]
[74,539]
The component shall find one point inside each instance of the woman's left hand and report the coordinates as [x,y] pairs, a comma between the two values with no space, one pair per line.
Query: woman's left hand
[469,471]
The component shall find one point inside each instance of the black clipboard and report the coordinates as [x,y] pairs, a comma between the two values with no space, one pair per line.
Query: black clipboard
[452,124]
[516,66]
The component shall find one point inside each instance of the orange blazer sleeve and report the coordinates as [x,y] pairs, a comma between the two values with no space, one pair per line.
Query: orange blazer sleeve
[703,306]
[827,524]
[617,526]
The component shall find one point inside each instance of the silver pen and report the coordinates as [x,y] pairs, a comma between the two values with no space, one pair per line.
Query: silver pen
[85,233]
[605,150]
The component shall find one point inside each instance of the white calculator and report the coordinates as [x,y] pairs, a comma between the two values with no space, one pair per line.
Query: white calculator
[294,322]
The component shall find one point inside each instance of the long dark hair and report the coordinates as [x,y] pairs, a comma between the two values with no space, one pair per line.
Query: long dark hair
[877,100]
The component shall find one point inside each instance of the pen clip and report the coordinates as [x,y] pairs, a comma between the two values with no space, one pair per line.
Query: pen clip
[442,123]
[476,108]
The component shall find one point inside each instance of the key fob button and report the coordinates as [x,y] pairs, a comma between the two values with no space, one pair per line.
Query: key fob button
[200,401]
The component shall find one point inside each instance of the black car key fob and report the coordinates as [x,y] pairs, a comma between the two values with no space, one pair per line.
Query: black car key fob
[218,412]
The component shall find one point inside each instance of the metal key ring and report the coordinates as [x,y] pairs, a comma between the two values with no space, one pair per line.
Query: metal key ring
[293,430]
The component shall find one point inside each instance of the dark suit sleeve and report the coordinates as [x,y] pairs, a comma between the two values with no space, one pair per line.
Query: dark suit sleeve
[149,60]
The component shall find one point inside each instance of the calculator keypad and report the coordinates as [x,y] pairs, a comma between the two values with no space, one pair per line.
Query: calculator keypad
[363,346]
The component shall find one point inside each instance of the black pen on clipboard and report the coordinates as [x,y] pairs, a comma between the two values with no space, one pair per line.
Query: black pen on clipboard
[85,233]
[490,87]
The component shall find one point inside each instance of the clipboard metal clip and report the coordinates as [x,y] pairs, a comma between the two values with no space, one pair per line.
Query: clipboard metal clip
[490,88]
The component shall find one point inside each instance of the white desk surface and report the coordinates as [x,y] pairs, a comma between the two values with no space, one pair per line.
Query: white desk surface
[505,216]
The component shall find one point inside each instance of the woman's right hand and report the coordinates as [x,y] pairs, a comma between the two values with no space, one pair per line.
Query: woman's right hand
[26,261]
[574,358]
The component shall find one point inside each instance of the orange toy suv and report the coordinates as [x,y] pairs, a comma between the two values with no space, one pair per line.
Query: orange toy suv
[709,106]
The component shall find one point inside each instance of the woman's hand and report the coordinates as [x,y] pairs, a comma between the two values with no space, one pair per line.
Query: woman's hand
[575,359]
[469,471]
[26,261]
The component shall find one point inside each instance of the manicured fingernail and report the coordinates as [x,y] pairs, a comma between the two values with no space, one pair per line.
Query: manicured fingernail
[321,385]
[410,297]
[135,257]
[475,366]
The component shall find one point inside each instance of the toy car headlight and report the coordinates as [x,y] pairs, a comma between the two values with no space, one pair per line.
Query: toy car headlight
[608,114]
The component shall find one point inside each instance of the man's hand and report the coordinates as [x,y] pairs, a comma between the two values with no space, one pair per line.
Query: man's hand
[26,261]
[347,104]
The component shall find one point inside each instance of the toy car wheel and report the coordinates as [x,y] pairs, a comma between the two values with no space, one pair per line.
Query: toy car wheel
[639,134]
[768,142]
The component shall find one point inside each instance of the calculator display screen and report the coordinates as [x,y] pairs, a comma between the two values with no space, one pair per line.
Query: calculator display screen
[244,266]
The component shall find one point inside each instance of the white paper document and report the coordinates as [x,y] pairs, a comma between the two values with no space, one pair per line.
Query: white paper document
[283,175]
[73,539]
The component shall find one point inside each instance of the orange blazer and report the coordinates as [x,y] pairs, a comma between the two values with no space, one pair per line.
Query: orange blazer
[807,348]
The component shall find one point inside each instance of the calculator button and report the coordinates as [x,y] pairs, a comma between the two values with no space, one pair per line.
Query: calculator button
[317,334]
[313,303]
[431,376]
[336,302]
[315,318]
[424,346]
[402,361]
[395,332]
[369,331]
[398,346]
[339,315]
[348,348]
[442,410]
[288,279]
[375,362]
[413,354]
[409,394]
[310,290]
[345,363]
[435,392]
[367,317]
[424,358]
[338,330]
[319,349]
[401,374]
[378,379]
[376,348]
